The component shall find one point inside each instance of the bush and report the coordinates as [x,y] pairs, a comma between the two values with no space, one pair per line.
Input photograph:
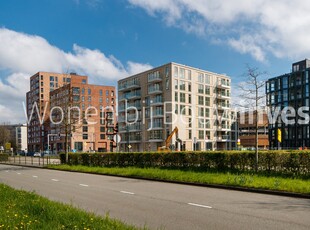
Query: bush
[4,157]
[287,162]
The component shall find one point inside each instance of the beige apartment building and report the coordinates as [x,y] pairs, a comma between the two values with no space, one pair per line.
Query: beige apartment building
[151,104]
[42,87]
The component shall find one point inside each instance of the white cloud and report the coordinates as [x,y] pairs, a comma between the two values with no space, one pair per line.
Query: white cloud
[22,55]
[257,27]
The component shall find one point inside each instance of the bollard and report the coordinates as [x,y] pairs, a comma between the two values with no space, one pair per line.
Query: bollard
[31,160]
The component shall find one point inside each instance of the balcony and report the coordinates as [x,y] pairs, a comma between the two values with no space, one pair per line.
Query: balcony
[129,86]
[223,128]
[154,78]
[129,96]
[223,106]
[224,138]
[223,95]
[130,128]
[223,85]
[155,89]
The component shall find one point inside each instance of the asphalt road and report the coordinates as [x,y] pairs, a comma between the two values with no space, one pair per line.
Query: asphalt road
[162,205]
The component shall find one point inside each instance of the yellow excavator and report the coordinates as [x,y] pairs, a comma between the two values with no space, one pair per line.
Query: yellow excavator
[166,147]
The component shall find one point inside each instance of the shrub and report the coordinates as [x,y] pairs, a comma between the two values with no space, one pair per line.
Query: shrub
[290,162]
[4,157]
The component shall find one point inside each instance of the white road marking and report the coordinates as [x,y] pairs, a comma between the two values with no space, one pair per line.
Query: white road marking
[55,180]
[18,173]
[130,193]
[35,176]
[84,185]
[199,205]
[6,170]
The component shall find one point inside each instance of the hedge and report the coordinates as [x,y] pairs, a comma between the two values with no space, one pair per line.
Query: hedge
[4,157]
[291,162]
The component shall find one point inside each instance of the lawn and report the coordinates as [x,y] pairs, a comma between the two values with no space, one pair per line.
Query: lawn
[25,210]
[277,183]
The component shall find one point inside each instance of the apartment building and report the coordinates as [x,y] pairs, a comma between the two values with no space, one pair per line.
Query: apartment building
[247,129]
[42,85]
[151,104]
[21,138]
[88,117]
[290,90]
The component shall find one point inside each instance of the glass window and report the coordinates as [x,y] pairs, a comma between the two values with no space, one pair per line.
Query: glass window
[85,136]
[207,79]
[207,101]
[107,92]
[182,85]
[189,87]
[89,91]
[51,78]
[182,109]
[200,100]
[102,136]
[189,75]
[100,100]
[182,73]
[201,134]
[89,98]
[85,129]
[176,96]
[84,81]
[200,88]
[200,78]
[100,93]
[83,91]
[175,71]
[175,84]
[189,98]
[207,90]
[182,97]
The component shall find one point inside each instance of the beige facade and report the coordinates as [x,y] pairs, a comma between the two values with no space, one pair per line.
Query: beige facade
[174,95]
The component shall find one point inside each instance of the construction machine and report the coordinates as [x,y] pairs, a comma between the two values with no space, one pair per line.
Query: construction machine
[166,147]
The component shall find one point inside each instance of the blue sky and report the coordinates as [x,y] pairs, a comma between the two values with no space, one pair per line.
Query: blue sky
[110,39]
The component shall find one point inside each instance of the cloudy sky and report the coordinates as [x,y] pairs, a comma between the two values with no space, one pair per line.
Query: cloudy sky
[110,39]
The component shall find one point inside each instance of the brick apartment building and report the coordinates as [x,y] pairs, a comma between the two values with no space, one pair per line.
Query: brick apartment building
[42,87]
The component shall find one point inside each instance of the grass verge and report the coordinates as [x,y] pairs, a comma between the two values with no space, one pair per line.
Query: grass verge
[25,210]
[294,185]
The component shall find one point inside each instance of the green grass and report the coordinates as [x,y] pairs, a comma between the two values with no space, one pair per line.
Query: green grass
[25,210]
[277,183]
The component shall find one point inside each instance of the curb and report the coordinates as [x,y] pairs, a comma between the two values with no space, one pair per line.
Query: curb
[218,186]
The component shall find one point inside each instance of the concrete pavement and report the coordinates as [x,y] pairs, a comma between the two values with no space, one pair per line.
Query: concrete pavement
[156,204]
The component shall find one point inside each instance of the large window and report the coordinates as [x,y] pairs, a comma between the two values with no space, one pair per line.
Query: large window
[182,97]
[182,73]
[207,101]
[207,79]
[182,85]
[176,96]
[200,78]
[207,90]
[175,71]
[200,100]
[200,88]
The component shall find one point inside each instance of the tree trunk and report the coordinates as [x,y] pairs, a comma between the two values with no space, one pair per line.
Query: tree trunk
[256,131]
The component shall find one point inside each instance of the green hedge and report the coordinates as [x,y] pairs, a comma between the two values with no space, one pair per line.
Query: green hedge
[293,162]
[4,157]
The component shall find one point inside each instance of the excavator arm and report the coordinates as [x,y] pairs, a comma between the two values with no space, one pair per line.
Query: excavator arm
[168,140]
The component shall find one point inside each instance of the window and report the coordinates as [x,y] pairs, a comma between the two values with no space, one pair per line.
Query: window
[176,84]
[176,109]
[89,98]
[85,136]
[167,84]
[200,134]
[176,96]
[190,122]
[189,87]
[207,79]
[189,75]
[207,124]
[189,134]
[200,111]
[51,78]
[83,91]
[182,97]
[189,98]
[182,109]
[167,71]
[182,85]
[102,136]
[102,129]
[200,88]
[207,112]
[85,129]
[207,101]
[76,90]
[200,78]
[89,91]
[200,100]
[52,84]
[68,80]
[100,93]
[107,92]
[83,98]
[190,111]
[83,106]
[100,100]
[182,73]
[107,100]
[175,71]
[207,90]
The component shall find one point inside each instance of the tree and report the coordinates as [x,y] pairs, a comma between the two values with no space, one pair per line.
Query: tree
[4,135]
[252,93]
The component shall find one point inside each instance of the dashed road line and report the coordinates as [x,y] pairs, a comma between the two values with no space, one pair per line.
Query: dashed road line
[35,176]
[55,180]
[18,173]
[125,192]
[199,205]
[84,185]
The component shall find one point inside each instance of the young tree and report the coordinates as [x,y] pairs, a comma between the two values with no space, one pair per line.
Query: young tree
[4,135]
[252,93]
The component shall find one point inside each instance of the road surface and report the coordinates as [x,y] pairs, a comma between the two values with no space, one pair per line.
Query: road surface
[162,205]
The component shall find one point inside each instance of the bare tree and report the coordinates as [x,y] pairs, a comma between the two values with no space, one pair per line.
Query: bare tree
[252,93]
[68,117]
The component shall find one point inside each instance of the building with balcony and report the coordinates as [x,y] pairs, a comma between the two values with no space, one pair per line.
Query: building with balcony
[290,90]
[51,90]
[151,104]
